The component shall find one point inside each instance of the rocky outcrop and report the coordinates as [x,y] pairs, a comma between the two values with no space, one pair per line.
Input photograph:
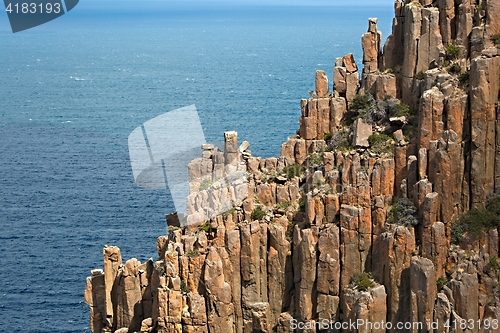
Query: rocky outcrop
[357,219]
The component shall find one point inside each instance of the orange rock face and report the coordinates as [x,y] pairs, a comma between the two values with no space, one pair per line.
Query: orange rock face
[295,238]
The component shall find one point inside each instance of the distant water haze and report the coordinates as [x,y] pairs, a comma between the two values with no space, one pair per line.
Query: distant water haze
[71,92]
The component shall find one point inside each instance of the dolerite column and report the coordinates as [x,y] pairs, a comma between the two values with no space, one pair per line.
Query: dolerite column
[231,155]
[112,263]
[371,44]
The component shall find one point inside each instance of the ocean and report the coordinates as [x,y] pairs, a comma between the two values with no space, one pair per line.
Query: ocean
[72,90]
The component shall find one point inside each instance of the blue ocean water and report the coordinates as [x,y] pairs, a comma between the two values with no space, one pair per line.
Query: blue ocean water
[71,91]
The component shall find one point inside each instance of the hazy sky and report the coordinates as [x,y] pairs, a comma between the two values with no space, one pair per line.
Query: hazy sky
[161,5]
[267,2]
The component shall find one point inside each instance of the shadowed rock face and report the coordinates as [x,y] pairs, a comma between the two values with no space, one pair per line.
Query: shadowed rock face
[270,242]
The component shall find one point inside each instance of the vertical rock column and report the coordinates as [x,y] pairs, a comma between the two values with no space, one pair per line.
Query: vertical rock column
[351,257]
[321,84]
[95,298]
[434,240]
[411,35]
[430,125]
[366,308]
[328,273]
[304,263]
[423,292]
[485,84]
[231,155]
[371,44]
[338,107]
[129,312]
[219,305]
[251,280]
[391,263]
[316,114]
[233,247]
[430,43]
[393,47]
[346,77]
[276,271]
[112,263]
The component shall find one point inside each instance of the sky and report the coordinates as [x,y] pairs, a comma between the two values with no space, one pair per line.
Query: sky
[144,5]
[263,2]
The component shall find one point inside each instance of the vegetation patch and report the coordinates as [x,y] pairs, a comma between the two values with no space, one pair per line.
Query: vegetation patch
[327,136]
[289,230]
[229,212]
[496,39]
[493,264]
[410,131]
[363,281]
[283,205]
[475,223]
[359,108]
[441,282]
[494,205]
[341,142]
[292,171]
[172,228]
[160,269]
[401,110]
[192,253]
[404,212]
[258,213]
[455,69]
[420,75]
[315,158]
[205,184]
[185,288]
[380,143]
[452,51]
[464,78]
[205,226]
[302,205]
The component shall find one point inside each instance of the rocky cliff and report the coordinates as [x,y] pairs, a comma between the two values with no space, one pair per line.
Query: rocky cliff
[382,210]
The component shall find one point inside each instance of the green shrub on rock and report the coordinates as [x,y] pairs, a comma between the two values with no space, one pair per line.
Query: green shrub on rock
[455,69]
[453,51]
[359,107]
[258,213]
[363,281]
[205,226]
[494,205]
[380,143]
[496,39]
[464,78]
[475,223]
[292,171]
[205,184]
[403,212]
[441,282]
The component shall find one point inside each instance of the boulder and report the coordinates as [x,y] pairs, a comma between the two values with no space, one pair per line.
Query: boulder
[321,84]
[361,132]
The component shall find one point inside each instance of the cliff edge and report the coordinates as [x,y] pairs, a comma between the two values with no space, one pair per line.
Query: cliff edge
[383,210]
